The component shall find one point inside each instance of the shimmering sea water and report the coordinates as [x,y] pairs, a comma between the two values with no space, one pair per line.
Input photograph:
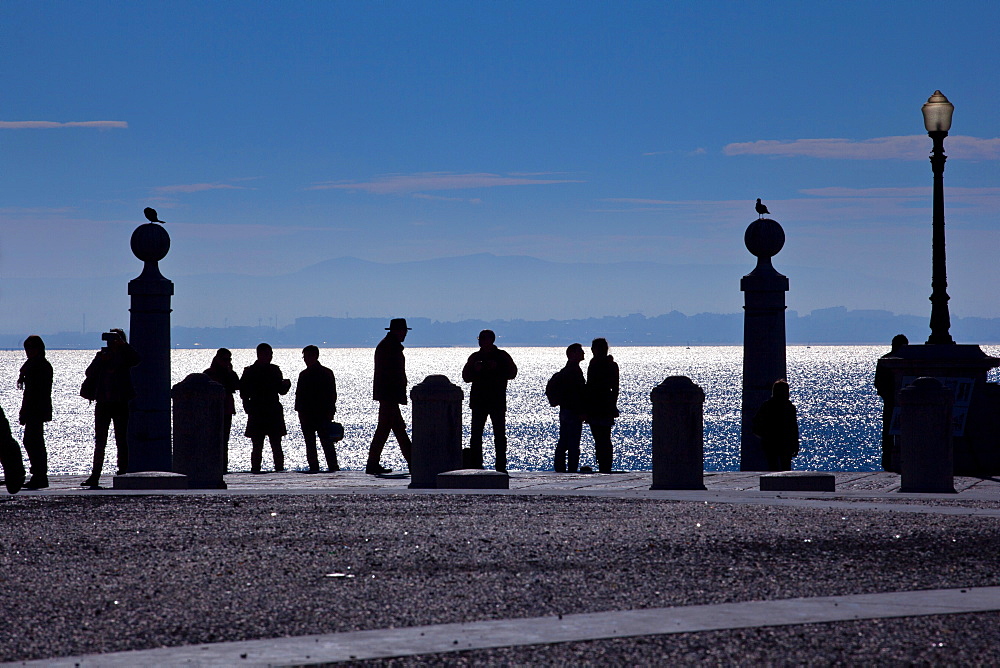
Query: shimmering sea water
[839,411]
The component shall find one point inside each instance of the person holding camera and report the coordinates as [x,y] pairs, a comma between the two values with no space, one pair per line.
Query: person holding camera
[109,385]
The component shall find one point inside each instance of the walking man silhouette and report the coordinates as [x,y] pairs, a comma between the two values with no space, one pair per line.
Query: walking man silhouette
[389,390]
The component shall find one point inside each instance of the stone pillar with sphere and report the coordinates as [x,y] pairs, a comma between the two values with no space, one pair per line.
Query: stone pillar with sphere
[149,446]
[763,333]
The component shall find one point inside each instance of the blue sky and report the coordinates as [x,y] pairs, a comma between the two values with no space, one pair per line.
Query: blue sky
[274,135]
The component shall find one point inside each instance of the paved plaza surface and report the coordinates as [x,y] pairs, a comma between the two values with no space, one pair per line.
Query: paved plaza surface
[295,569]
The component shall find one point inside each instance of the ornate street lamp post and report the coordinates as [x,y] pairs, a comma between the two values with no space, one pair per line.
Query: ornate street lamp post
[937,119]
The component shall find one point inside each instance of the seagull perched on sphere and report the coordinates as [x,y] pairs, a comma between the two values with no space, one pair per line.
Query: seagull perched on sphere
[150,213]
[760,208]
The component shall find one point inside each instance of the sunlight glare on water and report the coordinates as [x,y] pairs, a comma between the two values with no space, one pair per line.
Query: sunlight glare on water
[839,412]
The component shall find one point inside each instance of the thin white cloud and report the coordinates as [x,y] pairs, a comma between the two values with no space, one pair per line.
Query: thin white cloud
[35,211]
[441,198]
[913,147]
[45,125]
[399,184]
[826,206]
[635,200]
[196,188]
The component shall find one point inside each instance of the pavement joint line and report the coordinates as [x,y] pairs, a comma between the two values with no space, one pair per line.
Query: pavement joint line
[520,632]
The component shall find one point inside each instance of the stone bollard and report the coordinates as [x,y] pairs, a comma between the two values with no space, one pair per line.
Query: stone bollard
[925,425]
[678,434]
[437,430]
[199,439]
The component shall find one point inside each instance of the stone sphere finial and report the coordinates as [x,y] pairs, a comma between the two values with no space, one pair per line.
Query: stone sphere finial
[764,238]
[150,242]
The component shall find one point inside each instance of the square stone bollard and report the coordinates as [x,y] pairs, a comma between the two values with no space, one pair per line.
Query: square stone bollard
[925,423]
[678,434]
[199,436]
[437,430]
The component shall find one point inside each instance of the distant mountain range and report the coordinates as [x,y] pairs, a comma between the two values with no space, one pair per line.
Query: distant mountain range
[824,326]
[346,301]
[482,287]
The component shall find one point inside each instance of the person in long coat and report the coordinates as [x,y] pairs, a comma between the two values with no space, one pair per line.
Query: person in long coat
[389,390]
[777,425]
[602,401]
[260,386]
[35,379]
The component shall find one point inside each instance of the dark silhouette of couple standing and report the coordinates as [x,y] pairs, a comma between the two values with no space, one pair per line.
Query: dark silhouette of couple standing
[593,400]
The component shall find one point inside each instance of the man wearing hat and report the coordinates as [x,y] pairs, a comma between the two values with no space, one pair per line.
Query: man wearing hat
[389,390]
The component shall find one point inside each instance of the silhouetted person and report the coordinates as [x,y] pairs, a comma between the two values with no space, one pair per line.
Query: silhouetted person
[111,375]
[568,392]
[760,209]
[35,379]
[885,385]
[316,403]
[777,425]
[222,372]
[150,214]
[489,369]
[602,401]
[10,457]
[260,386]
[389,390]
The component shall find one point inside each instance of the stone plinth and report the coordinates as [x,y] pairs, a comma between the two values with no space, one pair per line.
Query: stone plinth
[149,333]
[151,480]
[798,481]
[437,430]
[473,479]
[199,431]
[926,425]
[678,434]
[763,333]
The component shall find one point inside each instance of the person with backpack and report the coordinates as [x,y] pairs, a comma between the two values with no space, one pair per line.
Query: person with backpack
[566,389]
